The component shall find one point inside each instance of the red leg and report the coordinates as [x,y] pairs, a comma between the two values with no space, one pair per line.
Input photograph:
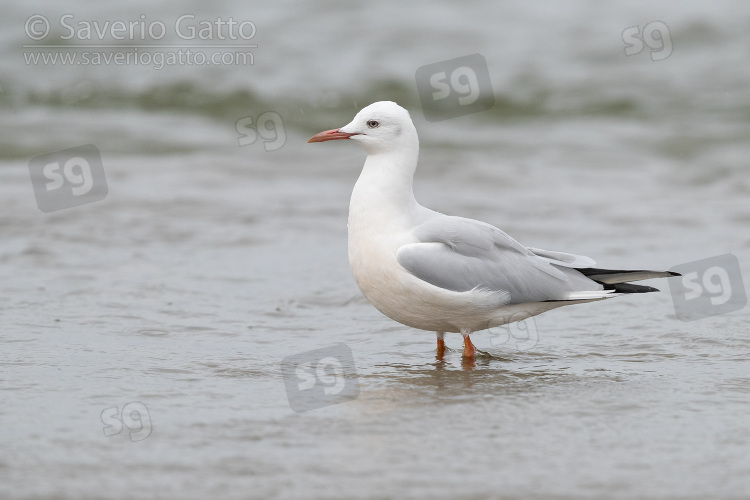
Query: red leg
[440,345]
[468,346]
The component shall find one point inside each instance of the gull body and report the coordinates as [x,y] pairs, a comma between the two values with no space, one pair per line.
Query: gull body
[442,273]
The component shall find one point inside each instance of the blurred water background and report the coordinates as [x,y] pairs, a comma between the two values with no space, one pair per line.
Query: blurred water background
[210,261]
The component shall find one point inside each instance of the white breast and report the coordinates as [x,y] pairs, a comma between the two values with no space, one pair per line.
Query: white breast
[376,232]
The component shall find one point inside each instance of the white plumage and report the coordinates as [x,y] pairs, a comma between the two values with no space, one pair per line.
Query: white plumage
[442,273]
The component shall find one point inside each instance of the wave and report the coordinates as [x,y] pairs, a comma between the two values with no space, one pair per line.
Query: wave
[306,113]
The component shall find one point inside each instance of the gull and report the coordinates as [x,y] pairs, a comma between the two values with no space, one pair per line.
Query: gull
[443,273]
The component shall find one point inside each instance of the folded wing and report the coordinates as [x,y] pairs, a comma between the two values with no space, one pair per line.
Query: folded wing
[460,254]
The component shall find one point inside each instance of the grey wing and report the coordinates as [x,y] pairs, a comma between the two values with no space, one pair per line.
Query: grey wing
[460,254]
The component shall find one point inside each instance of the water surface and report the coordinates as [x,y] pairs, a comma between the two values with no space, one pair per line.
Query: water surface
[208,263]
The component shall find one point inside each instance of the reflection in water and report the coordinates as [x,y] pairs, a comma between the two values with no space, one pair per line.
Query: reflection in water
[455,378]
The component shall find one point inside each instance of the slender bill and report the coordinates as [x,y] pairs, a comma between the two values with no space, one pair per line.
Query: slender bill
[330,135]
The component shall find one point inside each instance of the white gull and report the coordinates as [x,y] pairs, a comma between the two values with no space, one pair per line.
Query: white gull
[442,273]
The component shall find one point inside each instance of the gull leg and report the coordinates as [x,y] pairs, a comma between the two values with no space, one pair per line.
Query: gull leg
[468,346]
[440,344]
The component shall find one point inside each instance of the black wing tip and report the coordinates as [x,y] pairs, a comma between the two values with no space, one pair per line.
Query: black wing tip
[630,288]
[590,271]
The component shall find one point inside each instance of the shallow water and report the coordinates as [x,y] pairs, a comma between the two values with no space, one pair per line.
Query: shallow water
[208,263]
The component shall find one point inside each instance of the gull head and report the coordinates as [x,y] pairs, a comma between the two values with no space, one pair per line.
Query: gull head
[381,127]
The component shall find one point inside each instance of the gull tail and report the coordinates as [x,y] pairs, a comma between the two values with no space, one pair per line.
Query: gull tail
[618,280]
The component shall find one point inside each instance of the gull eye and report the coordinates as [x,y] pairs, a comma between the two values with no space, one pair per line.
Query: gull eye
[373,124]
